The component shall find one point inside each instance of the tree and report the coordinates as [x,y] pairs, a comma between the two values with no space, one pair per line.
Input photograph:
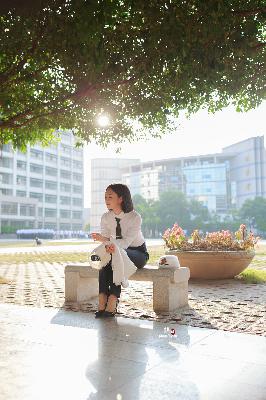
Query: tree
[254,213]
[173,207]
[63,62]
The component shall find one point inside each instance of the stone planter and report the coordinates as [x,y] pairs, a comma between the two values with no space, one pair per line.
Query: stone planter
[213,264]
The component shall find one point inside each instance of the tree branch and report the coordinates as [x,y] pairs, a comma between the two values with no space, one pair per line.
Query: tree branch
[248,13]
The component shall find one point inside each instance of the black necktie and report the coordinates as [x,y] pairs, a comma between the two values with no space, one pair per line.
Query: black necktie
[118,232]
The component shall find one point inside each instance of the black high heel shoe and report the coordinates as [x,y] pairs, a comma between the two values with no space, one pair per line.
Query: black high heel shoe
[108,314]
[100,313]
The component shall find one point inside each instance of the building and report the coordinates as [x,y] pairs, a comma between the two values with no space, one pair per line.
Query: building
[220,181]
[248,168]
[43,187]
[104,171]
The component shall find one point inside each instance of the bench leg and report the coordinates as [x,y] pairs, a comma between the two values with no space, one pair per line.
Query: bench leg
[79,289]
[168,296]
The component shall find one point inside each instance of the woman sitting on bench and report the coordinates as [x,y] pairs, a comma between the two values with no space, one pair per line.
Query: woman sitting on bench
[124,223]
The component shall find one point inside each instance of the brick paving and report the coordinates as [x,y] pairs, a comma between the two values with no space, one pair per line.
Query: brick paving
[225,304]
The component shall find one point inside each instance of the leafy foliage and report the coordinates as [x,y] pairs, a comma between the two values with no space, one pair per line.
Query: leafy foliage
[63,62]
[255,212]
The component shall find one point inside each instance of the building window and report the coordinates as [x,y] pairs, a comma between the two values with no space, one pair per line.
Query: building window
[77,189]
[9,208]
[37,169]
[65,174]
[37,154]
[36,182]
[38,196]
[5,162]
[40,210]
[51,158]
[77,177]
[76,202]
[22,165]
[21,193]
[65,187]
[76,214]
[49,198]
[6,148]
[248,187]
[27,210]
[65,200]
[77,164]
[5,178]
[65,214]
[6,192]
[66,162]
[21,180]
[50,185]
[66,149]
[49,225]
[65,226]
[51,171]
[50,212]
[77,227]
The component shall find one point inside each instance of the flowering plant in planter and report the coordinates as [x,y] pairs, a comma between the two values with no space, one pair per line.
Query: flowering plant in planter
[175,239]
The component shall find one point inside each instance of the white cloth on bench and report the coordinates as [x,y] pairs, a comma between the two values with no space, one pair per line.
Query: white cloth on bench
[122,266]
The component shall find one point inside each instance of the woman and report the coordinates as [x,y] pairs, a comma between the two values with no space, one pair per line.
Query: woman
[123,223]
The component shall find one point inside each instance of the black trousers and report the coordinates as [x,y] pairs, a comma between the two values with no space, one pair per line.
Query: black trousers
[138,255]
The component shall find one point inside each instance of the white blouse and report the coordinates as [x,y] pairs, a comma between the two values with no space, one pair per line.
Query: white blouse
[130,228]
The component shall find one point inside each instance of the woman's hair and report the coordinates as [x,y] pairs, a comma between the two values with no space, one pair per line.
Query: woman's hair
[124,192]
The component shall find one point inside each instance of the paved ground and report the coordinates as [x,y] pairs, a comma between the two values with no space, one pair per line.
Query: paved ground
[54,354]
[229,305]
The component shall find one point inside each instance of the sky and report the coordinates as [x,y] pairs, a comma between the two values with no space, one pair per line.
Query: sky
[202,133]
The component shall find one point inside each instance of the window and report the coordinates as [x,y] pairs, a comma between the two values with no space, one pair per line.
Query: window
[77,177]
[65,187]
[49,198]
[65,213]
[37,169]
[38,196]
[37,154]
[50,185]
[66,149]
[6,148]
[49,225]
[65,226]
[77,189]
[52,158]
[77,152]
[34,182]
[6,192]
[21,180]
[66,162]
[51,171]
[65,200]
[77,227]
[76,214]
[5,162]
[50,212]
[65,174]
[40,210]
[5,178]
[22,165]
[9,208]
[27,210]
[21,193]
[77,202]
[77,164]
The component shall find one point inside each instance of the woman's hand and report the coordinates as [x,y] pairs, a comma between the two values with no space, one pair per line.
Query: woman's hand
[98,237]
[110,248]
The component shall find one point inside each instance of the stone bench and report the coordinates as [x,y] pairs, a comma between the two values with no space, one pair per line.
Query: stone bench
[170,286]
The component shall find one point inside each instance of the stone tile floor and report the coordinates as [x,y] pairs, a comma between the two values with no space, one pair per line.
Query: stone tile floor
[229,305]
[57,354]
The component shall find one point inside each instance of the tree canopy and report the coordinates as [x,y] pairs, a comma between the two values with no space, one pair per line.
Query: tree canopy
[63,62]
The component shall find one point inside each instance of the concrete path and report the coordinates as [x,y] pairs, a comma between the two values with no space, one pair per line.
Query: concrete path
[56,354]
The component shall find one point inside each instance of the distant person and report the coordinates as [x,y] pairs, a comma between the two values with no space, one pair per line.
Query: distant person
[122,222]
[38,241]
